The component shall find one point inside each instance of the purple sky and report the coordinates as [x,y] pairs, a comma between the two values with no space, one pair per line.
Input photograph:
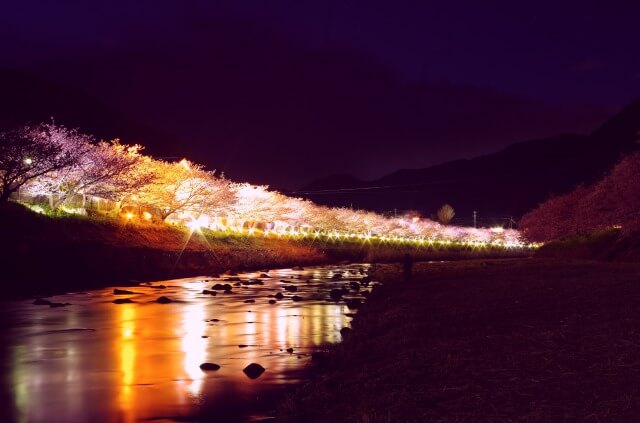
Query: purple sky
[255,87]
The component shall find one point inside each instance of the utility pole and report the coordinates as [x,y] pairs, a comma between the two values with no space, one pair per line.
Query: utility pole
[475,219]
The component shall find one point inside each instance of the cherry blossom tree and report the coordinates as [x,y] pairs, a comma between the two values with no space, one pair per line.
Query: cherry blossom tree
[107,170]
[183,187]
[613,201]
[31,152]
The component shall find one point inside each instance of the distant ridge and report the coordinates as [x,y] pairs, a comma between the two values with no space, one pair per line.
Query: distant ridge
[498,186]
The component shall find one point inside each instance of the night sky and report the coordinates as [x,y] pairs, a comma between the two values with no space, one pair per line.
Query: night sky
[285,92]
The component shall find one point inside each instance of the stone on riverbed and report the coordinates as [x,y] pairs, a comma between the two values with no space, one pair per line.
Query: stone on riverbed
[164,300]
[122,301]
[117,291]
[291,288]
[279,295]
[221,287]
[296,298]
[209,366]
[272,301]
[336,294]
[253,370]
[354,303]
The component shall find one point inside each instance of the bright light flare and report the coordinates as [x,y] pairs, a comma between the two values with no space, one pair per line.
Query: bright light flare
[201,222]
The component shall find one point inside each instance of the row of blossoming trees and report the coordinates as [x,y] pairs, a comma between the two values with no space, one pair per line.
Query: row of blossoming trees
[65,168]
[614,201]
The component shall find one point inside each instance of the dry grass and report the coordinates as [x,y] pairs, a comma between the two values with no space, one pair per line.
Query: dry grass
[496,340]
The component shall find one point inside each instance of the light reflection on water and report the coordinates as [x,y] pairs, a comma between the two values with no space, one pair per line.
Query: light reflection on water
[99,361]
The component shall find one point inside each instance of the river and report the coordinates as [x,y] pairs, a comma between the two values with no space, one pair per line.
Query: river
[97,361]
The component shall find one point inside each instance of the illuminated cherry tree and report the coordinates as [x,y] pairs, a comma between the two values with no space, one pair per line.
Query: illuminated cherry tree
[106,170]
[183,188]
[30,153]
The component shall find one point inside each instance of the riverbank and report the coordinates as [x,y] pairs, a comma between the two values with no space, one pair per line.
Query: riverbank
[531,339]
[46,255]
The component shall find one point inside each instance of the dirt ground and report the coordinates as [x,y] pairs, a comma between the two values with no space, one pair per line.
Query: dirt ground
[492,340]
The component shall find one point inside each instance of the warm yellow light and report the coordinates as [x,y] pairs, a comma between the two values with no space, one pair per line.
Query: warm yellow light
[185,164]
[28,161]
[128,215]
[146,215]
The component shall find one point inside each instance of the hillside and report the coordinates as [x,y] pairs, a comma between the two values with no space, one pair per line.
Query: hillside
[507,183]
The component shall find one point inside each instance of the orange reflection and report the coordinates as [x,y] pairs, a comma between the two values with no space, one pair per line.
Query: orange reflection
[127,349]
[145,357]
[194,345]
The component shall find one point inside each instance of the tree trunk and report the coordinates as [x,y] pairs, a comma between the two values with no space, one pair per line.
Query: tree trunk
[4,196]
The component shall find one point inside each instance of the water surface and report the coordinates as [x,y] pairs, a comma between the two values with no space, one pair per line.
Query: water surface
[94,361]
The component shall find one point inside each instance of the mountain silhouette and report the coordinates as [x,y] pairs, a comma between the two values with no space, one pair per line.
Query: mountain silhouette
[497,186]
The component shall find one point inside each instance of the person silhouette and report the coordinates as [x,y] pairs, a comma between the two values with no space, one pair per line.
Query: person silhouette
[407,264]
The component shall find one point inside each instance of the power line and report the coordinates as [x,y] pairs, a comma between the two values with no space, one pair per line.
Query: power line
[347,190]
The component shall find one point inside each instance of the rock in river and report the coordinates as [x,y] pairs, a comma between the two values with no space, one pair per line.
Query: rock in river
[253,370]
[221,287]
[209,366]
[354,303]
[164,300]
[122,292]
[336,294]
[122,301]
